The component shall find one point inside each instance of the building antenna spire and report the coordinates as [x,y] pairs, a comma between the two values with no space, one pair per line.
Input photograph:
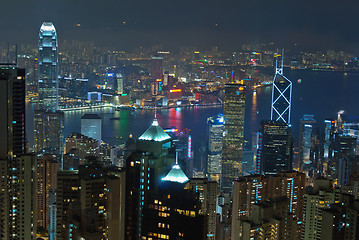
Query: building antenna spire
[282,58]
[176,158]
[155,112]
[16,54]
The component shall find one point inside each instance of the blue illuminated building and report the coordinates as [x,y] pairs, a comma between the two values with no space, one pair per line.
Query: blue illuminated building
[48,68]
[281,96]
[91,125]
[215,135]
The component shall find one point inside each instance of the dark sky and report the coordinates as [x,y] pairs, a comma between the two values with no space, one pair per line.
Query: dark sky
[313,24]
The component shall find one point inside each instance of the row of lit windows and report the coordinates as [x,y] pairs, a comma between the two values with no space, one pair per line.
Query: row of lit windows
[163,236]
[186,212]
[163,225]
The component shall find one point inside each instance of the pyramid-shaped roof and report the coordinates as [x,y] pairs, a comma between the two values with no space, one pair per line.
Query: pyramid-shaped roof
[154,133]
[176,175]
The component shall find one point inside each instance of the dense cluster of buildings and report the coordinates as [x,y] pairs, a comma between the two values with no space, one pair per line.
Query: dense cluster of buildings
[79,187]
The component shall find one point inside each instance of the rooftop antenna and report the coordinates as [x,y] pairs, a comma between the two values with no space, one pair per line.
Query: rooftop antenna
[282,58]
[16,55]
[155,112]
[176,158]
[8,50]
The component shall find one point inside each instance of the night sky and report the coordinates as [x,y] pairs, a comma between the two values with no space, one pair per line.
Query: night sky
[125,24]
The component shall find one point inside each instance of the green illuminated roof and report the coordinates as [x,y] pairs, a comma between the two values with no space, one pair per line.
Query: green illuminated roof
[154,133]
[176,175]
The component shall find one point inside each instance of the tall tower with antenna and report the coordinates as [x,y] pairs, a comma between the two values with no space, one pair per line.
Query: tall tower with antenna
[281,95]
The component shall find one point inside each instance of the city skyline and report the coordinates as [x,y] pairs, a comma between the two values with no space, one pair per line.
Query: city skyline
[140,121]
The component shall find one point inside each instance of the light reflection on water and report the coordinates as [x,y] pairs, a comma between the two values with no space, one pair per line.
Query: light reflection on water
[319,93]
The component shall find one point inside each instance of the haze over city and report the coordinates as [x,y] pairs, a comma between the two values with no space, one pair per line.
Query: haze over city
[124,25]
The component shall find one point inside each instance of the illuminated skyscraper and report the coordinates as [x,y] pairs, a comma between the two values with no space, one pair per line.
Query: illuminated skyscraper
[48,81]
[49,122]
[49,132]
[275,151]
[328,138]
[307,123]
[233,114]
[281,96]
[46,174]
[156,67]
[91,126]
[145,170]
[215,135]
[119,83]
[17,178]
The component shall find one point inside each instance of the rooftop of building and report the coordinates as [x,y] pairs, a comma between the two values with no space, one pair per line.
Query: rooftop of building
[154,133]
[48,27]
[176,175]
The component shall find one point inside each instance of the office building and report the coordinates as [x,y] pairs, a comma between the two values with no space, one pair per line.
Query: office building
[91,126]
[215,135]
[174,212]
[156,70]
[145,169]
[13,140]
[281,95]
[307,124]
[48,68]
[329,130]
[49,132]
[275,151]
[233,127]
[18,203]
[182,142]
[115,204]
[119,83]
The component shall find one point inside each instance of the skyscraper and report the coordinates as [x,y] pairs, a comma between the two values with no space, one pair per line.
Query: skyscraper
[307,124]
[119,83]
[275,151]
[233,114]
[328,138]
[281,96]
[46,174]
[156,67]
[49,132]
[17,195]
[215,135]
[48,81]
[145,170]
[48,120]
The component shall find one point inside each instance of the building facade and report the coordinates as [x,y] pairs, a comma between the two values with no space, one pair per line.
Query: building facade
[275,151]
[215,135]
[48,68]
[232,150]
